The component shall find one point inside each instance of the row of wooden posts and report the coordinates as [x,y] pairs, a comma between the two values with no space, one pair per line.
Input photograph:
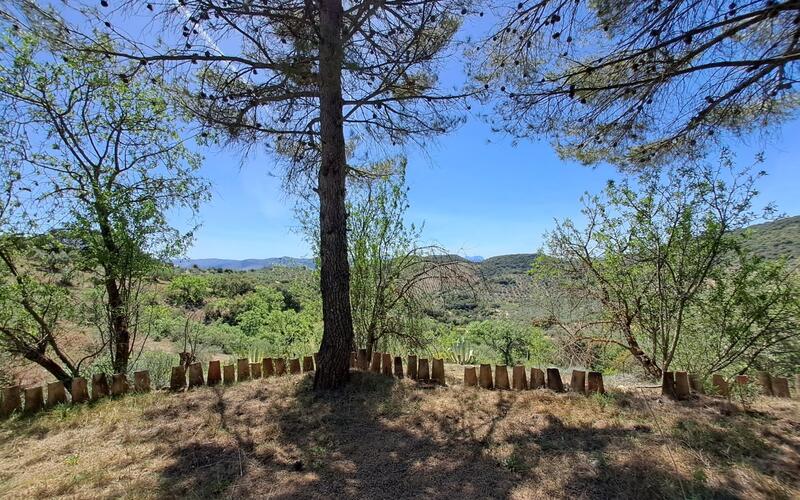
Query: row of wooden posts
[243,370]
[421,369]
[550,379]
[679,385]
[35,398]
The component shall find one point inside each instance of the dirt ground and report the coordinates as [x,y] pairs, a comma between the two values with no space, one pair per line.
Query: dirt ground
[383,438]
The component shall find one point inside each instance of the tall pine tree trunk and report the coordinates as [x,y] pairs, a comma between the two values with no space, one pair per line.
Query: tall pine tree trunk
[337,338]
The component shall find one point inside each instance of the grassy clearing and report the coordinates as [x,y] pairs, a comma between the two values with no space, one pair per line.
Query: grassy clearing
[385,439]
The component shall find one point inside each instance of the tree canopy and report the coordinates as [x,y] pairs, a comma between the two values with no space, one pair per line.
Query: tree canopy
[639,83]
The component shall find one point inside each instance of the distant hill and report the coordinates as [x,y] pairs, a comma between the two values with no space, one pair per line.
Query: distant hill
[246,264]
[776,239]
[515,263]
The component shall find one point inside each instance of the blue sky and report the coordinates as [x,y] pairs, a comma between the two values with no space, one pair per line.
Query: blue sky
[476,193]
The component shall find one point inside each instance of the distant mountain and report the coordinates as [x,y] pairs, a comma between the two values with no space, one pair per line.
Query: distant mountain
[779,238]
[474,258]
[246,264]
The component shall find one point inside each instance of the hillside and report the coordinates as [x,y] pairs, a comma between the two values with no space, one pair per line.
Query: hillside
[777,239]
[383,438]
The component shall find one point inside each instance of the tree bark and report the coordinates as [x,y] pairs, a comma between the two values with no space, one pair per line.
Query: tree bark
[51,366]
[337,338]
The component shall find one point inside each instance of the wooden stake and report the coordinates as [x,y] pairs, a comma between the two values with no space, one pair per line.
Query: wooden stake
[267,367]
[11,401]
[56,394]
[501,377]
[485,377]
[537,378]
[780,387]
[423,373]
[177,381]
[99,386]
[520,381]
[696,384]
[765,381]
[294,366]
[228,374]
[34,399]
[362,361]
[80,390]
[242,369]
[375,366]
[353,361]
[437,369]
[141,381]
[554,382]
[742,379]
[577,382]
[119,384]
[196,375]
[255,370]
[720,384]
[398,367]
[386,364]
[681,385]
[595,385]
[470,376]
[214,373]
[668,385]
[280,366]
[308,363]
[412,367]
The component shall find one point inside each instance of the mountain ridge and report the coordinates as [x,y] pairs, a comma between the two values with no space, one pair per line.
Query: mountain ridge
[779,238]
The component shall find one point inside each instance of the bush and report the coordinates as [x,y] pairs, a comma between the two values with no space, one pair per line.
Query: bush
[159,364]
[189,290]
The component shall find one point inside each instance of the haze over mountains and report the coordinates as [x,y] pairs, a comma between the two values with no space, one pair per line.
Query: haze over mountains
[779,238]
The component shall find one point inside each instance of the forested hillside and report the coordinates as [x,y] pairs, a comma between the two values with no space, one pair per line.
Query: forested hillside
[776,239]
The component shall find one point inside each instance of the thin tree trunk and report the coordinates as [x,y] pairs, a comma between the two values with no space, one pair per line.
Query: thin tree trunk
[118,316]
[337,337]
[119,327]
[646,361]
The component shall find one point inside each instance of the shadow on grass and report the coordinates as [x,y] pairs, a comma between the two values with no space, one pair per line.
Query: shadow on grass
[354,444]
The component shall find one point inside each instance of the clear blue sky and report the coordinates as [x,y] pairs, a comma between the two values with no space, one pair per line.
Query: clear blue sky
[476,193]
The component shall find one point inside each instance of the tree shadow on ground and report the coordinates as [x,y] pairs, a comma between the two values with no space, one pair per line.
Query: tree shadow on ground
[371,441]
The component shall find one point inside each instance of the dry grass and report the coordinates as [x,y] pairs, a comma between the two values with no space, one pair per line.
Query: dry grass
[385,439]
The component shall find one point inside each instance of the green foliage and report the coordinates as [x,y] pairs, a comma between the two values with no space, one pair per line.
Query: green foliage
[189,290]
[159,364]
[97,162]
[512,341]
[658,258]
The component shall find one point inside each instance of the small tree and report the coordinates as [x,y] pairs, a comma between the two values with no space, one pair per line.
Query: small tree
[647,256]
[509,339]
[394,279]
[641,82]
[99,162]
